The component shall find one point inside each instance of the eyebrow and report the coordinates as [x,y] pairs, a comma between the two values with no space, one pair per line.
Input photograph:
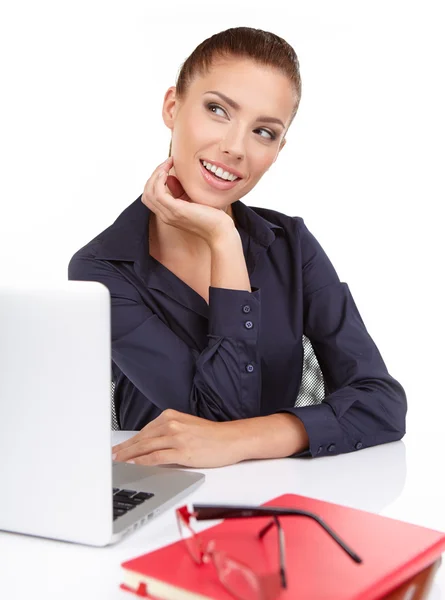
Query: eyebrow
[236,106]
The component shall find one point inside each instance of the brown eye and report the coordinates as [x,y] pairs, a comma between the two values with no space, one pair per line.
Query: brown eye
[211,106]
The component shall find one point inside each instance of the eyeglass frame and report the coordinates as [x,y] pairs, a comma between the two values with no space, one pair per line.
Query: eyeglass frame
[206,512]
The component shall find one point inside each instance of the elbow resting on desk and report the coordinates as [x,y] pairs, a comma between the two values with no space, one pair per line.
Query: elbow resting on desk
[355,417]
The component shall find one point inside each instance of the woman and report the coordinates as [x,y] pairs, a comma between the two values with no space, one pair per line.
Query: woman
[211,298]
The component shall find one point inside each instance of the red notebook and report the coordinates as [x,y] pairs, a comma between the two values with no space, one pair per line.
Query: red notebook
[392,552]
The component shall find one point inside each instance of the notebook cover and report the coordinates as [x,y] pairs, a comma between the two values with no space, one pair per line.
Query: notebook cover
[317,568]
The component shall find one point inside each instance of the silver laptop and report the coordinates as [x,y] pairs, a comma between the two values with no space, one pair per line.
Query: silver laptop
[57,476]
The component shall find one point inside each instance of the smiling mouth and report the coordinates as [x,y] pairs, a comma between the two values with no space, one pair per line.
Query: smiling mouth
[215,182]
[218,177]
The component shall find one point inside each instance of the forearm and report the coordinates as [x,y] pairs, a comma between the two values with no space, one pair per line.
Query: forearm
[228,265]
[274,436]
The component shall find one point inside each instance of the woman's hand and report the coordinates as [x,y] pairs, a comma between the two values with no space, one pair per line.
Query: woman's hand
[165,196]
[183,439]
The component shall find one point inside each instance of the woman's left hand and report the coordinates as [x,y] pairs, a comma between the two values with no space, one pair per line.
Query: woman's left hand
[183,439]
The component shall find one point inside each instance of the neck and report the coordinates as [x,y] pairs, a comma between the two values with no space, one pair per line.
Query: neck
[166,240]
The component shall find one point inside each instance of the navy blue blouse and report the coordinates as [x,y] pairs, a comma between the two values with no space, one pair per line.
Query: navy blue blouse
[241,355]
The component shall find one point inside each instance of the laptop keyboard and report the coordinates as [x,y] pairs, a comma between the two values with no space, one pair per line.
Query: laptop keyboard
[125,500]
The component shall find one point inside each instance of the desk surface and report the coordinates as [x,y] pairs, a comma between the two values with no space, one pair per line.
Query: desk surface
[400,480]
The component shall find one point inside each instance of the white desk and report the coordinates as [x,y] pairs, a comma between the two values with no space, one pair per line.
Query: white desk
[394,480]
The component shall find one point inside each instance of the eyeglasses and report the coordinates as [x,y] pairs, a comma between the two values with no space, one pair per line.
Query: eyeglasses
[237,578]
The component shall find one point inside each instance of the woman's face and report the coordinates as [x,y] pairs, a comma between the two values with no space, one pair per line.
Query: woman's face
[207,126]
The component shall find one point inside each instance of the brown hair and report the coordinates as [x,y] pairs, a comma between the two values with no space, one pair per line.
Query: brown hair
[261,46]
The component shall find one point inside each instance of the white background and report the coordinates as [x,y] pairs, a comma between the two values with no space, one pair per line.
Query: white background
[81,131]
[82,85]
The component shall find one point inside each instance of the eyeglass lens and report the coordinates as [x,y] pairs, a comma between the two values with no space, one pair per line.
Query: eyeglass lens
[237,578]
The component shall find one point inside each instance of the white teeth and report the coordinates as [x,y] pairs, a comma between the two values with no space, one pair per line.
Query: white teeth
[219,172]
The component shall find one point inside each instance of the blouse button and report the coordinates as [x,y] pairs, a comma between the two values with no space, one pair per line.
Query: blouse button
[246,309]
[358,446]
[331,447]
[249,368]
[248,324]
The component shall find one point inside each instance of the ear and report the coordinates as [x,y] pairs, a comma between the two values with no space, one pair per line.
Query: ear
[169,107]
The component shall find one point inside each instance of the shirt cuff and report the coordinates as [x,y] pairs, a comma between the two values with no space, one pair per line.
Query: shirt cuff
[234,313]
[325,434]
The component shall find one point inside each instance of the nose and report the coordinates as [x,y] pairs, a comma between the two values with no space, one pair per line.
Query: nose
[233,143]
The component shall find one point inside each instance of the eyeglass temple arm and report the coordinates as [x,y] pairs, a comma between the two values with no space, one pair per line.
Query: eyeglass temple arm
[208,511]
[281,548]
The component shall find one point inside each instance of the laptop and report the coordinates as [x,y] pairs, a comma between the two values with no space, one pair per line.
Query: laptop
[57,475]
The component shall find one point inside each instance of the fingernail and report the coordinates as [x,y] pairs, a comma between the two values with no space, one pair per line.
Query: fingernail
[161,174]
[114,456]
[130,462]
